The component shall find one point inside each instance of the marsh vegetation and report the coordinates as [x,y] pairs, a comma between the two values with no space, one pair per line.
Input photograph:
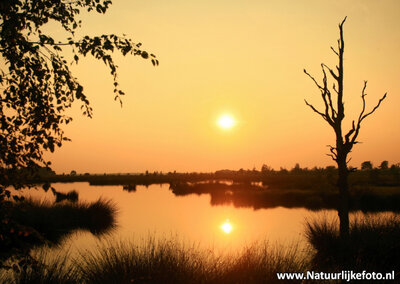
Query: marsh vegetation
[33,222]
[163,261]
[373,247]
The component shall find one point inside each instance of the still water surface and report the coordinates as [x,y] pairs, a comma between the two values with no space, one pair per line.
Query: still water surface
[156,211]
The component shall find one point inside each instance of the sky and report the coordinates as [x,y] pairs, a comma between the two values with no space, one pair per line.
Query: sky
[243,58]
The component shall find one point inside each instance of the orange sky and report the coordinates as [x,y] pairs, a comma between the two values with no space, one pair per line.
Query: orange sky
[233,57]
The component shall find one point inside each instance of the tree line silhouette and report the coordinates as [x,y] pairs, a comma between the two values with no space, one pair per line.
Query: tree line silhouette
[296,178]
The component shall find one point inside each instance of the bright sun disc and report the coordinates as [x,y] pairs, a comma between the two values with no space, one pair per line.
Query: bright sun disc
[226,227]
[226,121]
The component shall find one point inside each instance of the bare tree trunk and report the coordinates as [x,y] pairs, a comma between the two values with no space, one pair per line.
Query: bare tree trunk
[343,207]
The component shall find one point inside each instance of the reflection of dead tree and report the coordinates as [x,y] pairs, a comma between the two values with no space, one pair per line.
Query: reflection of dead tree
[334,115]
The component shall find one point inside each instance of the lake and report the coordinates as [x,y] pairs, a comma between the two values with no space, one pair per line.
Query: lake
[155,211]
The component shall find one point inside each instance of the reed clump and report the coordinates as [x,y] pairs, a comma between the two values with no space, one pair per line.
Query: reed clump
[55,220]
[44,268]
[373,243]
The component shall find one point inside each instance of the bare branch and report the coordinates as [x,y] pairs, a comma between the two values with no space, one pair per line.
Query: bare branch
[332,156]
[329,105]
[334,51]
[312,78]
[334,88]
[362,116]
[315,110]
[347,136]
[363,94]
[375,108]
[341,24]
[331,71]
[326,96]
[333,150]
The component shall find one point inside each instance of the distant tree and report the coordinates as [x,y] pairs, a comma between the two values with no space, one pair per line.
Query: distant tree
[73,173]
[333,114]
[395,172]
[395,166]
[283,170]
[330,168]
[330,173]
[296,168]
[367,165]
[384,165]
[315,169]
[265,168]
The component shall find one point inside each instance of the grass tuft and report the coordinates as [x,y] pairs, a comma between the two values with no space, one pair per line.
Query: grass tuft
[46,269]
[373,243]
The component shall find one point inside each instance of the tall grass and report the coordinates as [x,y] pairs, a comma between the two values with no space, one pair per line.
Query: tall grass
[170,261]
[259,263]
[167,261]
[45,269]
[155,261]
[373,243]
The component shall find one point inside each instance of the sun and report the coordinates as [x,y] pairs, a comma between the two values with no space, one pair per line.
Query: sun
[227,227]
[226,121]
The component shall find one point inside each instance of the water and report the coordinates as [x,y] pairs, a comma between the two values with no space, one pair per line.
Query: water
[155,211]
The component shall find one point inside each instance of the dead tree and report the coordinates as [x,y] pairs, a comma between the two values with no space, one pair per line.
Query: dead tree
[333,114]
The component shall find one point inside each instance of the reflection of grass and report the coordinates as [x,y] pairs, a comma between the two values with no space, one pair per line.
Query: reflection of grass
[373,243]
[53,221]
[170,261]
